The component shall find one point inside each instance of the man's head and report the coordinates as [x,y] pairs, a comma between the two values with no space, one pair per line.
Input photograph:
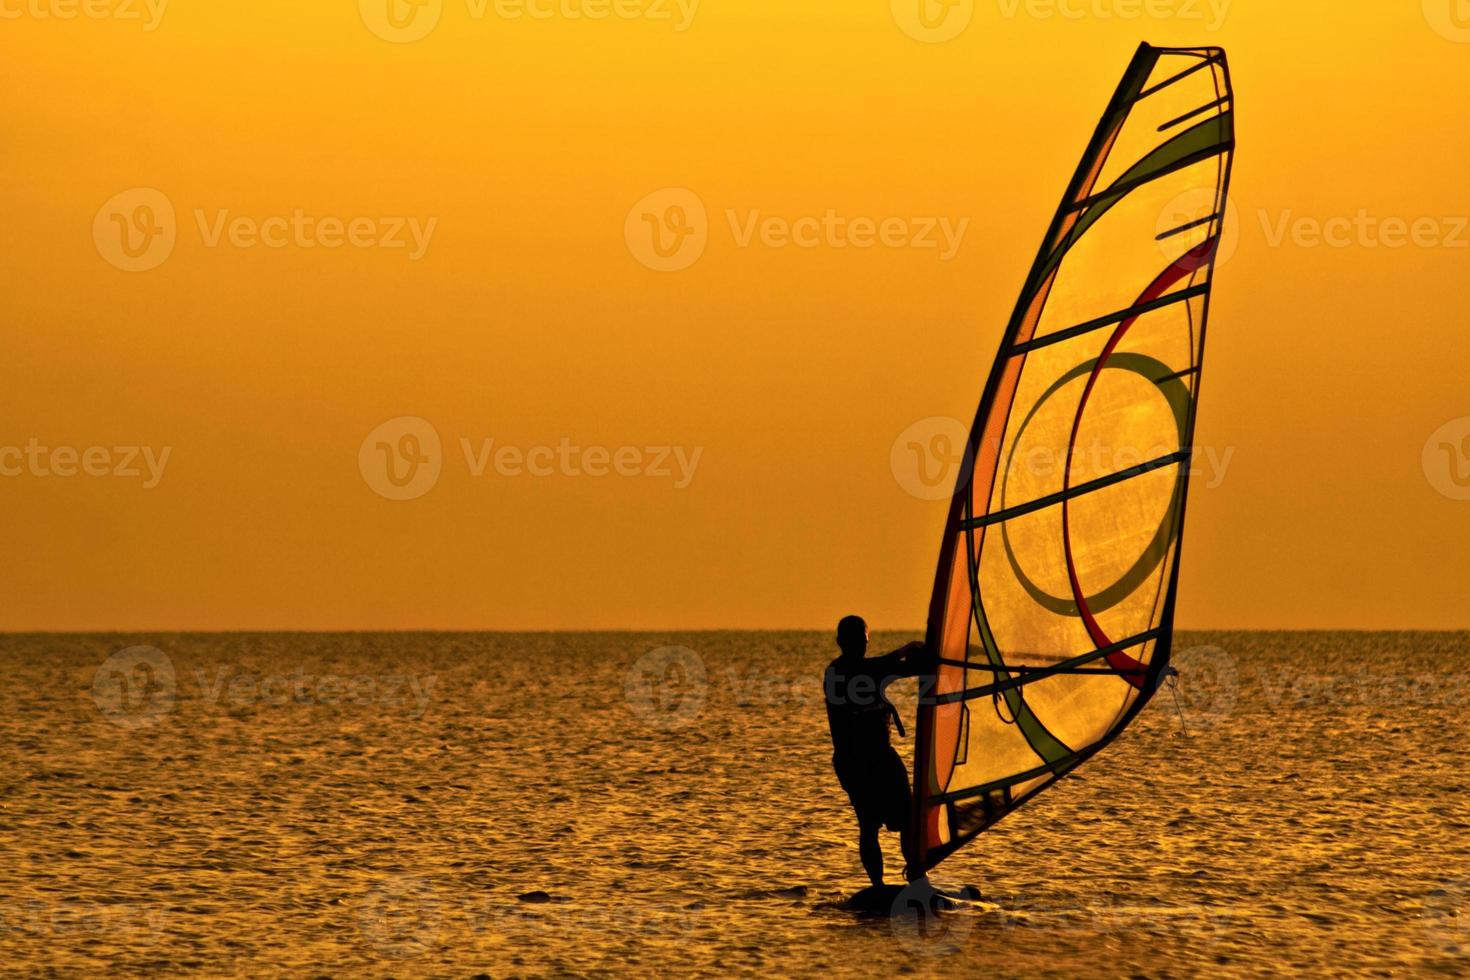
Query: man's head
[852,636]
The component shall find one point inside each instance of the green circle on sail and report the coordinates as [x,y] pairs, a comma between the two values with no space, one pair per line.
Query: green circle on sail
[1177,394]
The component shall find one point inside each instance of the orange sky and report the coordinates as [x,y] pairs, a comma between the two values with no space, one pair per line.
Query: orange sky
[758,385]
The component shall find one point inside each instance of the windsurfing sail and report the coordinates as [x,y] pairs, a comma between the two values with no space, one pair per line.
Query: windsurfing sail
[1052,611]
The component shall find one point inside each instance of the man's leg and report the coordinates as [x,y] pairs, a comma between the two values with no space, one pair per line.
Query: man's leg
[913,868]
[902,819]
[870,850]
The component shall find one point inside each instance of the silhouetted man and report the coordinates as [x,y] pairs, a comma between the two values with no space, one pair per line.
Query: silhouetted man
[868,768]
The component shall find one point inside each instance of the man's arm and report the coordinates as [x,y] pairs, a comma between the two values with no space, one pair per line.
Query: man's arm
[918,659]
[909,660]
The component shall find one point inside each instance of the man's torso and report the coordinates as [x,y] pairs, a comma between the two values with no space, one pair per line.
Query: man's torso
[857,710]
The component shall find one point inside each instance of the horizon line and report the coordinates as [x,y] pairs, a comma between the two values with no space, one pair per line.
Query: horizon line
[174,631]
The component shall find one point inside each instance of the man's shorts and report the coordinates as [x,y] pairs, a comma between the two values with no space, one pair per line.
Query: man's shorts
[878,786]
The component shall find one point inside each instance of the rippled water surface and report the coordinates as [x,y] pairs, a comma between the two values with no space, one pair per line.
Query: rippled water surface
[502,804]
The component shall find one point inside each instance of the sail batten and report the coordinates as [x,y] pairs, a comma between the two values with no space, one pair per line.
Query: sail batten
[1138,309]
[1181,119]
[1058,568]
[1062,496]
[1218,58]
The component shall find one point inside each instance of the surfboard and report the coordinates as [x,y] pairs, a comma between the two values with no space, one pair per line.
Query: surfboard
[917,900]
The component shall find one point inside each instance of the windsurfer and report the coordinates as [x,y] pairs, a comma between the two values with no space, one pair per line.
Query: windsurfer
[870,771]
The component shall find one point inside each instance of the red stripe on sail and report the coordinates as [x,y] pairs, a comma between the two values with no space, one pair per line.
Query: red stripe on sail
[1129,668]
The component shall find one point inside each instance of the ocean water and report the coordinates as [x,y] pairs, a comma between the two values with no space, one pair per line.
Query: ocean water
[596,804]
